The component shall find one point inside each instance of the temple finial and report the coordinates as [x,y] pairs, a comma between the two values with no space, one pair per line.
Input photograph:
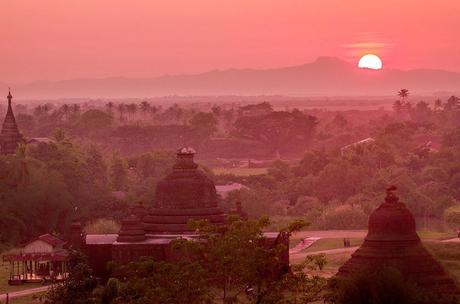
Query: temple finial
[9,95]
[391,196]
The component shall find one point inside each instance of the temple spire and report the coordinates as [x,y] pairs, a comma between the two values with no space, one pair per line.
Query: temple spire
[10,136]
[10,97]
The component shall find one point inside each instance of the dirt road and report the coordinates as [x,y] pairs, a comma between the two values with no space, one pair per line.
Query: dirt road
[24,293]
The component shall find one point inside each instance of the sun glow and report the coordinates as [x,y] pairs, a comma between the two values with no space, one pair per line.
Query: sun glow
[370,61]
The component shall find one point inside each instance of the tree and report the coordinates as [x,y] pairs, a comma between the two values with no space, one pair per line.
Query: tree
[340,121]
[132,109]
[110,106]
[118,172]
[240,263]
[65,109]
[438,104]
[453,103]
[278,129]
[397,106]
[422,112]
[145,108]
[121,110]
[95,121]
[403,94]
[149,281]
[216,110]
[204,123]
[77,288]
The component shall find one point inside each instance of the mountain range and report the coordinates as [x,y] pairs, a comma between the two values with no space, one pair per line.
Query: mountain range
[326,76]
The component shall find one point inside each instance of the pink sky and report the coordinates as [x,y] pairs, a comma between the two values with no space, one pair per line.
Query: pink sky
[65,39]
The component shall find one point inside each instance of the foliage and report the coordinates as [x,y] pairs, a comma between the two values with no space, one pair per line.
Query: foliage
[102,226]
[278,129]
[342,217]
[77,288]
[205,123]
[452,215]
[118,172]
[148,281]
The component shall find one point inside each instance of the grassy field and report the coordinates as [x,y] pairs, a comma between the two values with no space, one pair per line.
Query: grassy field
[4,276]
[447,253]
[32,299]
[334,243]
[240,171]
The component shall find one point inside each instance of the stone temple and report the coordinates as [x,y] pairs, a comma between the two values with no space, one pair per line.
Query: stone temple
[10,137]
[186,194]
[392,241]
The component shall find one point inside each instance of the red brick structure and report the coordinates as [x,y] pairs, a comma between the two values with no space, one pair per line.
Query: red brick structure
[10,137]
[186,194]
[392,241]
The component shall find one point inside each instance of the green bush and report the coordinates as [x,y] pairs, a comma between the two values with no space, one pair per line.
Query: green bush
[342,217]
[452,215]
[102,226]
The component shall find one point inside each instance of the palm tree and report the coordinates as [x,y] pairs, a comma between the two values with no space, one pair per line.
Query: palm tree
[121,110]
[66,111]
[110,105]
[403,94]
[132,109]
[452,103]
[75,109]
[145,107]
[437,104]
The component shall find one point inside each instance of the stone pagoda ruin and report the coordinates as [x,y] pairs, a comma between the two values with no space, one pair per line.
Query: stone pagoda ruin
[185,194]
[10,137]
[392,241]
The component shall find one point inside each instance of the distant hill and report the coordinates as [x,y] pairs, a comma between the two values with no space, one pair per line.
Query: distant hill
[326,76]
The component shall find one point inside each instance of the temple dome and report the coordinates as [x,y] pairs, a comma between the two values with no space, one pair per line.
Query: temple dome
[185,194]
[392,221]
[392,241]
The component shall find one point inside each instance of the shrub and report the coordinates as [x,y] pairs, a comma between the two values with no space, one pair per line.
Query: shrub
[342,217]
[452,215]
[102,226]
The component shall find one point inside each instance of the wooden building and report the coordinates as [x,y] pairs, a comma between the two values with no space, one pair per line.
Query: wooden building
[43,259]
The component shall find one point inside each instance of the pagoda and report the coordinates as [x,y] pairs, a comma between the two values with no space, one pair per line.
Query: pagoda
[186,194]
[392,241]
[10,137]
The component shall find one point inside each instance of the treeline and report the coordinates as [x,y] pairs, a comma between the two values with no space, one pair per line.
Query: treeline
[134,128]
[46,185]
[337,188]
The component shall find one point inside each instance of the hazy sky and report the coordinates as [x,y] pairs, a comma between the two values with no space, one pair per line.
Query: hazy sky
[64,39]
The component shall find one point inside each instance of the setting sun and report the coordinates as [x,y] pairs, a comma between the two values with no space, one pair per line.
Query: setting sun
[370,61]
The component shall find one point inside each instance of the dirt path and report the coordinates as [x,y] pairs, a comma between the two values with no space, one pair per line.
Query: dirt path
[328,251]
[454,240]
[22,293]
[331,234]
